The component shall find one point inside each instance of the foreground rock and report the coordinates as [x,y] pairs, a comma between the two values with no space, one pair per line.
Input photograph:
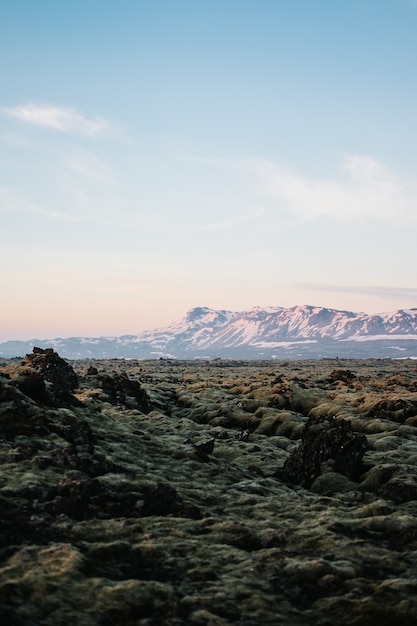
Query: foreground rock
[208,493]
[325,439]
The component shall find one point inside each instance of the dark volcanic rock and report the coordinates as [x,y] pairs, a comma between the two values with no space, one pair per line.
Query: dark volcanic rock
[397,409]
[32,384]
[345,376]
[53,368]
[45,377]
[324,439]
[163,499]
[118,388]
[19,414]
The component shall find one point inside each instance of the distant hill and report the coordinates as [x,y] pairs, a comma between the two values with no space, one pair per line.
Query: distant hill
[300,332]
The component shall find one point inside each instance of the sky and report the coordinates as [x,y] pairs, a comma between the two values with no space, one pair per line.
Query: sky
[157,155]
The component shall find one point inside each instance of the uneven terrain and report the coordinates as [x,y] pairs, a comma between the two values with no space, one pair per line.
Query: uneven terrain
[207,492]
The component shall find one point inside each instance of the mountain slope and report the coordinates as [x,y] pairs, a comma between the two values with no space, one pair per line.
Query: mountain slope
[262,332]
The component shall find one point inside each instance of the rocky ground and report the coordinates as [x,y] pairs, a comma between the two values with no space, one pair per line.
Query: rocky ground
[207,493]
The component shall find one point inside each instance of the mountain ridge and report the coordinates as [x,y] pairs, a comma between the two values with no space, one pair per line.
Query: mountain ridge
[302,331]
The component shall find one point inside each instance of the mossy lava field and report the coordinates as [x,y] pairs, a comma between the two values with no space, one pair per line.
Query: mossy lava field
[207,492]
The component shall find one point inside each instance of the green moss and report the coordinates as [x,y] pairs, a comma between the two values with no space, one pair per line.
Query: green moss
[109,516]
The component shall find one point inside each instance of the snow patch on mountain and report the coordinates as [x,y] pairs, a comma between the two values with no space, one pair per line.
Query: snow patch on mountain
[388,337]
[255,332]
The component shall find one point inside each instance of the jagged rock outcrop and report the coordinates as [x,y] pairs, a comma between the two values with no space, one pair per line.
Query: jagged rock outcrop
[45,377]
[324,439]
[121,390]
[53,368]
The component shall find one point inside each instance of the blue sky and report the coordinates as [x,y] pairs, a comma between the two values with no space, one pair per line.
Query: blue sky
[156,156]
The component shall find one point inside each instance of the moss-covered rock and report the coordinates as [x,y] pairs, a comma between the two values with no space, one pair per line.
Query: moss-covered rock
[150,493]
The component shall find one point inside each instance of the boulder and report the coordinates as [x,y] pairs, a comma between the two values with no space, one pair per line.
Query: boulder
[324,439]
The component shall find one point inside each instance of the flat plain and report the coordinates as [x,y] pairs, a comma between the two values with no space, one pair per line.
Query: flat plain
[208,492]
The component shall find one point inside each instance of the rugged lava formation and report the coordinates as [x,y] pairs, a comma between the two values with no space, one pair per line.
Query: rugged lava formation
[207,492]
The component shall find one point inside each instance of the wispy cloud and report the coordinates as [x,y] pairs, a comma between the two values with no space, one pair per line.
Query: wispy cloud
[56,215]
[63,119]
[378,291]
[89,166]
[365,188]
[15,202]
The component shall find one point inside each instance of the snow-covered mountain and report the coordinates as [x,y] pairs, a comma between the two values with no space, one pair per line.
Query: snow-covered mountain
[259,333]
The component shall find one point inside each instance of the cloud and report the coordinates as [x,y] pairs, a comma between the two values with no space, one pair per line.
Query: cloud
[15,202]
[56,215]
[63,119]
[377,291]
[89,166]
[230,223]
[365,188]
